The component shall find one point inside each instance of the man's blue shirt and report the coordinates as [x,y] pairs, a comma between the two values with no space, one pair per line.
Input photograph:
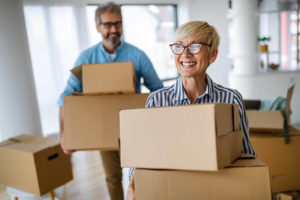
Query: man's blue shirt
[125,52]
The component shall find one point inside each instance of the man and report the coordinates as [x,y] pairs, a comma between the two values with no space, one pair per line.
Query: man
[109,24]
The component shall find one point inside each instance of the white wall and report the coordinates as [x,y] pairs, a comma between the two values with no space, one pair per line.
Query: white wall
[18,104]
[272,84]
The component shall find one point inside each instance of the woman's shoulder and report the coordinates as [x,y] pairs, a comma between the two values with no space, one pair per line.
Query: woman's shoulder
[230,92]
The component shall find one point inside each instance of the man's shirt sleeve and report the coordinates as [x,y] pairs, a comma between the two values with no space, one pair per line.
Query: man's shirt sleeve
[73,84]
[148,73]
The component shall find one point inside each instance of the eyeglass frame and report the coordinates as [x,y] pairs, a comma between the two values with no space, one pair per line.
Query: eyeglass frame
[108,25]
[184,47]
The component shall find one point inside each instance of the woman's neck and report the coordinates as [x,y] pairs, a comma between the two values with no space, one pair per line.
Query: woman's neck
[194,87]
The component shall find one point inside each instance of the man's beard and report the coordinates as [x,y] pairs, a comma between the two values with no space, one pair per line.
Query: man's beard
[115,41]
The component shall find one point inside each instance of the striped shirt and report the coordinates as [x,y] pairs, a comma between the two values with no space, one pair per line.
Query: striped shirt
[175,95]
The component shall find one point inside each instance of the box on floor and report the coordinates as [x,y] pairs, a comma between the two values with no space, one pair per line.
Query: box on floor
[34,164]
[246,179]
[270,120]
[193,137]
[92,122]
[283,159]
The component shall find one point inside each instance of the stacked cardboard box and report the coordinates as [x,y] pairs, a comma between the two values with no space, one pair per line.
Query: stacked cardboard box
[278,145]
[180,153]
[91,118]
[270,121]
[34,164]
[283,159]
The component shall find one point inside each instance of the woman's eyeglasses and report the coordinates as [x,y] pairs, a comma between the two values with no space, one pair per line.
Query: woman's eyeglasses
[193,48]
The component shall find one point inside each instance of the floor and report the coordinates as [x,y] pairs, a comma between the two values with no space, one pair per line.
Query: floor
[88,182]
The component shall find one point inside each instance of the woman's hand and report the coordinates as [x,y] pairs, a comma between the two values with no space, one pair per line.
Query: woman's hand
[131,189]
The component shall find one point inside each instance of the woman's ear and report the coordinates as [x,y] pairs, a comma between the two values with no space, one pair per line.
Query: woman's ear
[213,56]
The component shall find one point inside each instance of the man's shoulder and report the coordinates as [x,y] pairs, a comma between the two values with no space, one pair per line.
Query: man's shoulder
[131,47]
[91,50]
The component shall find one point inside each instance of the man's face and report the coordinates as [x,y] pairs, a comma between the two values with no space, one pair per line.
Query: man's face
[110,28]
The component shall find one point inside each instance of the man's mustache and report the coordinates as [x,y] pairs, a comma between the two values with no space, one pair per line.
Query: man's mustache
[113,33]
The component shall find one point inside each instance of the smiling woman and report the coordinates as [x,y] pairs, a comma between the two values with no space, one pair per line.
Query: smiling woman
[194,86]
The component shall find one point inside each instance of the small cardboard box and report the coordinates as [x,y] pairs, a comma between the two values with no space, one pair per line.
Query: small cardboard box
[283,159]
[193,137]
[116,77]
[270,121]
[92,122]
[34,164]
[246,179]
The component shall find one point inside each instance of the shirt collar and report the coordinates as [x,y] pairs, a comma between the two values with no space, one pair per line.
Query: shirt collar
[180,94]
[117,50]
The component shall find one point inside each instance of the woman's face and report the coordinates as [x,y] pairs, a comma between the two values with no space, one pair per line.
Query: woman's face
[192,65]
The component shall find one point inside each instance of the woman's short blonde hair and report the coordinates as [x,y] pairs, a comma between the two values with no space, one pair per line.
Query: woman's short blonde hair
[201,30]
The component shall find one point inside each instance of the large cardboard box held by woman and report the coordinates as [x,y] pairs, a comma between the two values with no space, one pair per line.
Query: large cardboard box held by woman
[193,137]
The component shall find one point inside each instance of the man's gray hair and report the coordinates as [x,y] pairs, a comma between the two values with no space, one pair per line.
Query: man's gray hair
[109,7]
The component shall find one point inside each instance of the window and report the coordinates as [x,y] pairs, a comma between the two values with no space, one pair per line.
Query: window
[279,26]
[58,32]
[152,31]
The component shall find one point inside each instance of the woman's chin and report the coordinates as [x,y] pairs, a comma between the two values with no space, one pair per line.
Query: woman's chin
[187,74]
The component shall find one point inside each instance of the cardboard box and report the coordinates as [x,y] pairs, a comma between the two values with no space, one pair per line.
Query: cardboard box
[193,137]
[92,122]
[116,77]
[270,121]
[283,159]
[34,164]
[246,179]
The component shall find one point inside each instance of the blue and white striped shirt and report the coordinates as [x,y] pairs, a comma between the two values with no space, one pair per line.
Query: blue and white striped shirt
[175,95]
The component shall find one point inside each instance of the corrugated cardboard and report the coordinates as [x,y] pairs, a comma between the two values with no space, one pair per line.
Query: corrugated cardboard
[193,137]
[294,195]
[270,121]
[283,159]
[245,180]
[34,164]
[115,77]
[92,122]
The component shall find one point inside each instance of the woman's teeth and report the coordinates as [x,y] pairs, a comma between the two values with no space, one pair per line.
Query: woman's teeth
[188,63]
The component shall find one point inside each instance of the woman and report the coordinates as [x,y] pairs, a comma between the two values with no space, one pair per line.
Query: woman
[195,48]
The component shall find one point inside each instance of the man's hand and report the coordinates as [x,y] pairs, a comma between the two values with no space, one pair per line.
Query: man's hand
[131,189]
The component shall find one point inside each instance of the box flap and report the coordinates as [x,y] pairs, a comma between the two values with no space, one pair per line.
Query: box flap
[288,102]
[236,117]
[100,93]
[77,71]
[291,130]
[247,162]
[265,120]
[28,143]
[227,118]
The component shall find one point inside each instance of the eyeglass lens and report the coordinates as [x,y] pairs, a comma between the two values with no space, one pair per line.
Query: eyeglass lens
[117,24]
[192,48]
